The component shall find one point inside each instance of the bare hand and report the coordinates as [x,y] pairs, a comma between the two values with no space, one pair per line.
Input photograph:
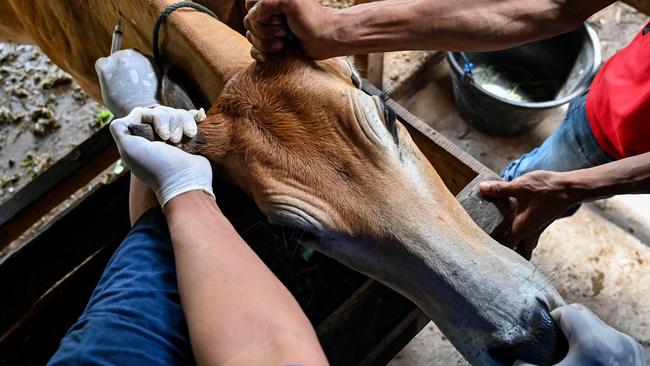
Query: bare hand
[541,198]
[269,22]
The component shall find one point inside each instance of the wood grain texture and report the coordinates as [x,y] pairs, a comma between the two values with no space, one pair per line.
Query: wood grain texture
[56,184]
[101,220]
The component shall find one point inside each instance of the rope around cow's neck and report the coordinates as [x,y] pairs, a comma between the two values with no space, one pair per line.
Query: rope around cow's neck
[163,16]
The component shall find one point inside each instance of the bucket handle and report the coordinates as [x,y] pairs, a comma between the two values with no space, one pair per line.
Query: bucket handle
[468,67]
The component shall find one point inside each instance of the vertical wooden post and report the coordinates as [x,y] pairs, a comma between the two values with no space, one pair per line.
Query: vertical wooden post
[371,65]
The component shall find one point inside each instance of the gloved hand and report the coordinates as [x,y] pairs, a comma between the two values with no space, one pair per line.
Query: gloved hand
[168,170]
[592,342]
[128,79]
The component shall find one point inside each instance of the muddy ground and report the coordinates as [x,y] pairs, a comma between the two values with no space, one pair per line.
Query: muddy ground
[43,115]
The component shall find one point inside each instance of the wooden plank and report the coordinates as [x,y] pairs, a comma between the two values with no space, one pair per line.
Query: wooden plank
[55,185]
[100,220]
[365,321]
[371,65]
[491,215]
[375,69]
[37,334]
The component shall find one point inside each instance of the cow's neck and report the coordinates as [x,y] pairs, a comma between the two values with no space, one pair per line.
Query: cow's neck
[442,264]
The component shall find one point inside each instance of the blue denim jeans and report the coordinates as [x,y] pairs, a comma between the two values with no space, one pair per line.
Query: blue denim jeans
[571,146]
[134,316]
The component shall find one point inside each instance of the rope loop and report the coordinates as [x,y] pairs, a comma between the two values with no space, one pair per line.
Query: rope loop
[163,16]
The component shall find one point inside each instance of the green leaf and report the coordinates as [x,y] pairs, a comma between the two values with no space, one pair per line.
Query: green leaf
[104,117]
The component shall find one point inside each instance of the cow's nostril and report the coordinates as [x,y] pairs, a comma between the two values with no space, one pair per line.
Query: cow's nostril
[544,343]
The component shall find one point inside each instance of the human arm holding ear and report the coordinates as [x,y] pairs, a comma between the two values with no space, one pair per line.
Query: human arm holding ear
[393,25]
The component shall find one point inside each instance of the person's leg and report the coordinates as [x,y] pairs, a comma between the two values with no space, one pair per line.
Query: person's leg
[571,146]
[134,316]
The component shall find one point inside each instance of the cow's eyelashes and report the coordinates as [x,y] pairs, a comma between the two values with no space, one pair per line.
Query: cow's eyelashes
[389,115]
[389,118]
[356,79]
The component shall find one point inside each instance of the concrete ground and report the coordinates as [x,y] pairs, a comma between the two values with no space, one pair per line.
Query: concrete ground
[599,257]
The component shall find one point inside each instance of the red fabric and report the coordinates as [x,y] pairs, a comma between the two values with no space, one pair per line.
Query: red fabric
[618,104]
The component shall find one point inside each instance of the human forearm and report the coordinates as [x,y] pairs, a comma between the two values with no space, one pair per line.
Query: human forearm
[229,296]
[543,196]
[625,176]
[395,25]
[453,24]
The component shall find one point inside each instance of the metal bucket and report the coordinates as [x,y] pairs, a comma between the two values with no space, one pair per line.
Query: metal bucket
[509,91]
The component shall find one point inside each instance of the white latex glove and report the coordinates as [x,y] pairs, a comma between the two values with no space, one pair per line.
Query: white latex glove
[592,342]
[168,170]
[171,123]
[128,79]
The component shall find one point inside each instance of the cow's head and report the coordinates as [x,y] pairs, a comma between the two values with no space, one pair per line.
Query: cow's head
[317,153]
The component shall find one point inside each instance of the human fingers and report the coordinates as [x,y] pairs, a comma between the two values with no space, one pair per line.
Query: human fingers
[505,236]
[199,115]
[100,65]
[265,31]
[176,123]
[266,11]
[526,246]
[574,319]
[249,4]
[263,45]
[257,55]
[120,129]
[160,120]
[498,189]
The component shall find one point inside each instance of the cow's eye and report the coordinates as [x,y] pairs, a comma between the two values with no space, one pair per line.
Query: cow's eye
[389,115]
[354,74]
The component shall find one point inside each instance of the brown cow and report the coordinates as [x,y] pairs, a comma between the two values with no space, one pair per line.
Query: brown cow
[316,153]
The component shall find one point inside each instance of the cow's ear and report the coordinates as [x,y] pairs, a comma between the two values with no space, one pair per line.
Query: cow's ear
[213,139]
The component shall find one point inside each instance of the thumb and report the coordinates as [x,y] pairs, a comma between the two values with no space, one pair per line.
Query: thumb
[199,116]
[495,188]
[120,127]
[100,64]
[574,319]
[267,9]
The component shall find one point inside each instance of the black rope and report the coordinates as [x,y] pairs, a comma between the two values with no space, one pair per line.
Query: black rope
[163,16]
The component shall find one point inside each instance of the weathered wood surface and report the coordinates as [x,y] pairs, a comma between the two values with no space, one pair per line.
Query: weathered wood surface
[371,65]
[56,184]
[46,284]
